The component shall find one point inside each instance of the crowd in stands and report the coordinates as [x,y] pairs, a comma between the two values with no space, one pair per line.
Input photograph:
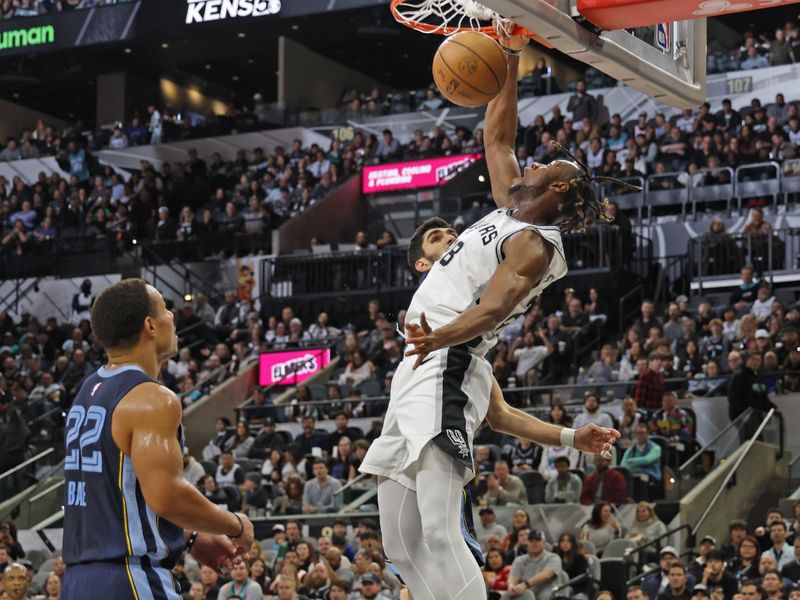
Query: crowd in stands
[681,147]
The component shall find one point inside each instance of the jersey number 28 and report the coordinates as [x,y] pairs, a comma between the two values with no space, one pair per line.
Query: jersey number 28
[80,456]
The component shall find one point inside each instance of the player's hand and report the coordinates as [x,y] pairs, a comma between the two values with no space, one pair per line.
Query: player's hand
[596,440]
[214,551]
[515,41]
[244,541]
[422,337]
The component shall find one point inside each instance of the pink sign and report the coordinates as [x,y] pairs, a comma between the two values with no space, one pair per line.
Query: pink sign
[415,174]
[292,366]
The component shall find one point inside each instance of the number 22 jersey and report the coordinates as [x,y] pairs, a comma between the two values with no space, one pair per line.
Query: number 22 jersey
[458,279]
[106,518]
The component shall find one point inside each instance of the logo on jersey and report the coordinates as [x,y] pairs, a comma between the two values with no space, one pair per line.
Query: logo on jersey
[457,438]
[549,278]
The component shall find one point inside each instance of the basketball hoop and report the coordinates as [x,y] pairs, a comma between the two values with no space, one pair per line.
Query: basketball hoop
[446,17]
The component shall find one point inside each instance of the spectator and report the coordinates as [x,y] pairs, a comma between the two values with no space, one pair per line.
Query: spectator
[644,459]
[241,441]
[310,438]
[192,470]
[672,422]
[791,569]
[657,581]
[241,585]
[320,494]
[581,104]
[745,294]
[707,544]
[528,357]
[716,578]
[604,485]
[602,370]
[496,572]
[746,390]
[533,572]
[228,472]
[780,550]
[678,580]
[649,389]
[602,527]
[630,419]
[744,566]
[573,562]
[646,525]
[488,526]
[565,488]
[504,488]
[592,414]
[525,456]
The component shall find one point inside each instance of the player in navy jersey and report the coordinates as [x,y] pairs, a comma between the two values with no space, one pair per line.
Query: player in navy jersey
[128,511]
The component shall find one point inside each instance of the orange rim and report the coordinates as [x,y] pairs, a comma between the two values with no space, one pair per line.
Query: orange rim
[445,29]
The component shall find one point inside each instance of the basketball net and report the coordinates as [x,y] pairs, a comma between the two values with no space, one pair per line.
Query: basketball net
[446,17]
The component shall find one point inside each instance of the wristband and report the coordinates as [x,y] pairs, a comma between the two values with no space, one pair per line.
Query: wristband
[511,52]
[241,527]
[190,543]
[567,437]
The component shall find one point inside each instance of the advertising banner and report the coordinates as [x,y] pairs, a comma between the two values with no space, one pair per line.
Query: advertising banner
[415,174]
[291,367]
[103,24]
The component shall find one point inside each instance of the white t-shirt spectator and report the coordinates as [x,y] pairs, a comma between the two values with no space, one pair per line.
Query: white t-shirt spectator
[762,310]
[594,160]
[228,478]
[318,168]
[529,358]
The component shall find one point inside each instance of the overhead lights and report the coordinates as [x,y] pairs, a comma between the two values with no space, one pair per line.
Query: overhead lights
[165,45]
[208,67]
[241,34]
[295,27]
[128,50]
[235,78]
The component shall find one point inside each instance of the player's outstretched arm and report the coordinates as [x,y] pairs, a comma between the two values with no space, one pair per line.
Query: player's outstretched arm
[512,421]
[145,427]
[500,128]
[527,259]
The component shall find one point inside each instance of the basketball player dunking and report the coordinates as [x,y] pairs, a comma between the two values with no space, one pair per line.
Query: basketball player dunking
[444,387]
[128,511]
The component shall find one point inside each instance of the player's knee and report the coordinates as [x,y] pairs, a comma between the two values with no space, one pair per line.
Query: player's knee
[394,550]
[435,534]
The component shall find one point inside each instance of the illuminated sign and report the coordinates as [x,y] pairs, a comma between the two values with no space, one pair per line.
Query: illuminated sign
[204,11]
[291,367]
[33,36]
[416,174]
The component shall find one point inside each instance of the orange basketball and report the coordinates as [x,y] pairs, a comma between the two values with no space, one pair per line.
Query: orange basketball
[469,68]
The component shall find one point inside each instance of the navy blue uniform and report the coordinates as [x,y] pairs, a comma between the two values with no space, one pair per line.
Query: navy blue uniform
[114,544]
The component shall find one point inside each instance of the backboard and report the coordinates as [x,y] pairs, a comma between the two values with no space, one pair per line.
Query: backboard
[666,61]
[674,73]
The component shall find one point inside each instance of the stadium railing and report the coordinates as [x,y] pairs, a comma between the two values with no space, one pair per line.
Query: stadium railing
[725,254]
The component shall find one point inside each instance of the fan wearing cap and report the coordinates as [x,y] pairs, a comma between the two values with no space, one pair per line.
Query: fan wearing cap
[658,580]
[698,565]
[717,578]
[488,526]
[533,573]
[370,589]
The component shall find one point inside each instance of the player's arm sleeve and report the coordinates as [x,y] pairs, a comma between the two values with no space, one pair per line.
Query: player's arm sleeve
[158,464]
[527,260]
[500,137]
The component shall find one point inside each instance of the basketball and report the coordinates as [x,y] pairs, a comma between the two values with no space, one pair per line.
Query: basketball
[469,68]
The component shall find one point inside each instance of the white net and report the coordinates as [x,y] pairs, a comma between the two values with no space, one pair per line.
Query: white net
[445,16]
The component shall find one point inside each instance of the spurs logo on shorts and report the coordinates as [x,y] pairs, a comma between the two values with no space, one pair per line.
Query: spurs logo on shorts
[455,436]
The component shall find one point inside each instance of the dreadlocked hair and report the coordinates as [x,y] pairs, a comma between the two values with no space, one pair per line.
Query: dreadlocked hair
[584,197]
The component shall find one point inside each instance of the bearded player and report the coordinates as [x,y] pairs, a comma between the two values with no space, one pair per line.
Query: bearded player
[444,387]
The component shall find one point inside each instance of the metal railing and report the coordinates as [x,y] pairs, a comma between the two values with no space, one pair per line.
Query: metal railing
[684,192]
[720,254]
[727,481]
[600,247]
[26,463]
[732,427]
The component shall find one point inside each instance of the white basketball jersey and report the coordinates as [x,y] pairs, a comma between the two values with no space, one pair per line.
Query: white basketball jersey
[458,278]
